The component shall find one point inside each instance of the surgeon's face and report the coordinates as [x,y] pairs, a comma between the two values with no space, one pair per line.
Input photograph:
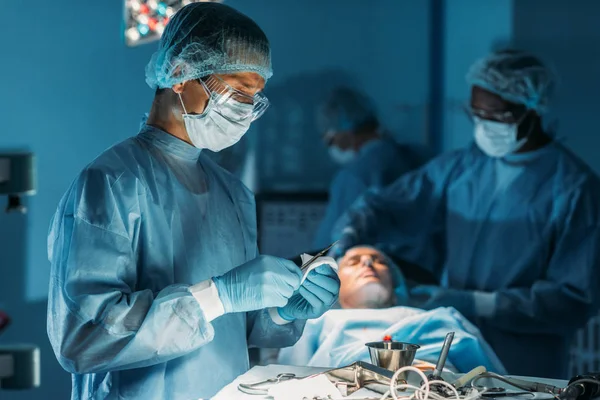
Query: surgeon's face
[365,278]
[489,106]
[343,140]
[195,98]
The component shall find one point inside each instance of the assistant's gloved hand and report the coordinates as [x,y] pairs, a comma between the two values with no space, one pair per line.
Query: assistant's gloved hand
[430,297]
[316,295]
[264,282]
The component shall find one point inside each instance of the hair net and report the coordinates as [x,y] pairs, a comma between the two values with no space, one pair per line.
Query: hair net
[346,110]
[515,76]
[208,38]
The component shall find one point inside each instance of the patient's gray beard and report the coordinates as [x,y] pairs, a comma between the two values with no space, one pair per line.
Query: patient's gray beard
[373,295]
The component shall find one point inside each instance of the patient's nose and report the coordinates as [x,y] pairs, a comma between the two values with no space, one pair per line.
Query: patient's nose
[366,261]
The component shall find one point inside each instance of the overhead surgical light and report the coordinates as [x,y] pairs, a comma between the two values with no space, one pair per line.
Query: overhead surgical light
[145,20]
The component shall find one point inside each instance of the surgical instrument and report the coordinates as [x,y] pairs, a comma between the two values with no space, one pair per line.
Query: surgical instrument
[347,379]
[439,367]
[262,388]
[436,375]
[319,254]
[502,392]
[352,398]
[360,375]
[518,383]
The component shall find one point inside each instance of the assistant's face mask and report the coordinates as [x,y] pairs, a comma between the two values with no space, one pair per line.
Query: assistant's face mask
[341,156]
[218,127]
[497,139]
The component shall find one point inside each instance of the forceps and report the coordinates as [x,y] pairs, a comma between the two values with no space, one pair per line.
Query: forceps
[262,388]
[319,254]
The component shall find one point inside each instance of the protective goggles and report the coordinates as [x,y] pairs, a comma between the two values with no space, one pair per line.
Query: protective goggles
[223,95]
[508,117]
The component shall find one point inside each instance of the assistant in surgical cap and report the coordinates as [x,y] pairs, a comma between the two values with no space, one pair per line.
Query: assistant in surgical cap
[516,76]
[203,39]
[346,110]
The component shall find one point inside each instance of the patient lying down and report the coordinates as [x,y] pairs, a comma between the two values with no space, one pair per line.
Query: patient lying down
[368,281]
[372,304]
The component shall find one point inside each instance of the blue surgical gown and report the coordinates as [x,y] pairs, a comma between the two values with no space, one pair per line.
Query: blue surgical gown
[144,221]
[525,227]
[377,164]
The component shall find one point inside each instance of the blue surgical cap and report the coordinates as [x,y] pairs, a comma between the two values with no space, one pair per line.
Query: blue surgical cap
[516,76]
[346,110]
[208,38]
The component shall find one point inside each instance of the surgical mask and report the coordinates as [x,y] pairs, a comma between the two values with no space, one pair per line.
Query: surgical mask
[341,156]
[497,139]
[218,127]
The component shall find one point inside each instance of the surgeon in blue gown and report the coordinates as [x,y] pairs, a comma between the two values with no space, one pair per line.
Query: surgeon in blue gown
[509,225]
[368,157]
[156,287]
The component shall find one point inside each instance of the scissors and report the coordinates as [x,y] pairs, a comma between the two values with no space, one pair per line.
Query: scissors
[262,388]
[319,254]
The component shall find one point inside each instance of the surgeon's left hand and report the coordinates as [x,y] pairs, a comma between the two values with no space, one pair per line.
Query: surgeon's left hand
[430,297]
[316,295]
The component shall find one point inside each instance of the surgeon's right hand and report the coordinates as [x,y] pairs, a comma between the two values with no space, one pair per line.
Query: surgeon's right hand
[264,282]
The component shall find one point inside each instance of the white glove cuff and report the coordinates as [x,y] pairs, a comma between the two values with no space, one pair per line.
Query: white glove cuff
[276,317]
[207,296]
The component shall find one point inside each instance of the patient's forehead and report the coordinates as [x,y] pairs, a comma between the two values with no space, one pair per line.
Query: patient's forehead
[363,251]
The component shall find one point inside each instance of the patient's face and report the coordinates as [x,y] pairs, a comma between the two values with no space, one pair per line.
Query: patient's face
[366,281]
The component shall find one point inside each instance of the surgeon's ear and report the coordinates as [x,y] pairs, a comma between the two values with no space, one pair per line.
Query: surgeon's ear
[178,88]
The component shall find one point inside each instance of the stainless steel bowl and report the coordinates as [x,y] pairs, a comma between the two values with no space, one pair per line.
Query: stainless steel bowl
[392,355]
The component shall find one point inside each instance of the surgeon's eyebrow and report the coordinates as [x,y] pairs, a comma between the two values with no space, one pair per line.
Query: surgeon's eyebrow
[244,82]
